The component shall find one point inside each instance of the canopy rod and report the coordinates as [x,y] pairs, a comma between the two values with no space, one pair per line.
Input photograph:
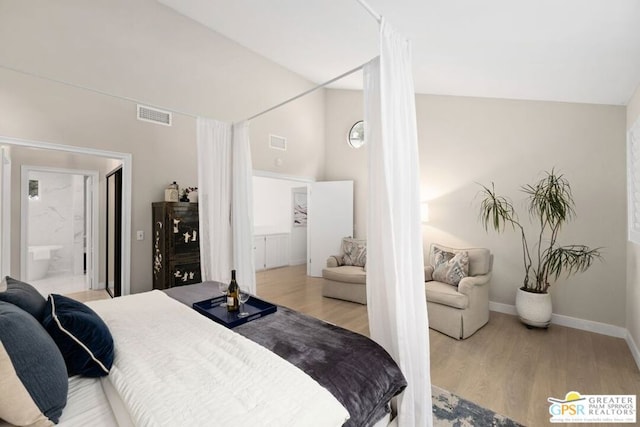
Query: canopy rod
[372,12]
[313,89]
[98,91]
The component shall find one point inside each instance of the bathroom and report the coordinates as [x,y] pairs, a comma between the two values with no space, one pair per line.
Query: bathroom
[55,230]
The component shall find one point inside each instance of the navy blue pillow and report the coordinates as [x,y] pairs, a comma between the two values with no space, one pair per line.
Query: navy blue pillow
[34,377]
[24,296]
[81,335]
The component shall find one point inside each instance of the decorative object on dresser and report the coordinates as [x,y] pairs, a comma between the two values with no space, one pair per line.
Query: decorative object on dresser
[189,194]
[176,244]
[171,193]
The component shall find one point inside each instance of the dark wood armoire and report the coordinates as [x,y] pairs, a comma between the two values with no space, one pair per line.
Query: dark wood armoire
[176,244]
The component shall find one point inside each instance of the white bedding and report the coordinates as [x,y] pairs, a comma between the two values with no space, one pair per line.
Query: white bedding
[87,405]
[175,367]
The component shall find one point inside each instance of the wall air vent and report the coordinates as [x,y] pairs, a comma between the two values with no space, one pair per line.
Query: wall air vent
[278,142]
[153,115]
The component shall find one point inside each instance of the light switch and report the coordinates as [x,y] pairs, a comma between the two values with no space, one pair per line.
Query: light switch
[140,235]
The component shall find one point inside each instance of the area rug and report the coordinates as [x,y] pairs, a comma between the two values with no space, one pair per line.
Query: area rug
[450,410]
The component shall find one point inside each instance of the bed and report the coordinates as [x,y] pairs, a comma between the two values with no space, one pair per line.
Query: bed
[173,366]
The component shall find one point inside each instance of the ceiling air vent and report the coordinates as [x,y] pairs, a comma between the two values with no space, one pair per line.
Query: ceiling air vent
[153,115]
[278,142]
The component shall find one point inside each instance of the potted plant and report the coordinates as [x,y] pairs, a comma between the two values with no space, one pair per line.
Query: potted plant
[550,205]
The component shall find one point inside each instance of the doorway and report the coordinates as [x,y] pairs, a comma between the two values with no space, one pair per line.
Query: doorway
[279,220]
[59,236]
[66,153]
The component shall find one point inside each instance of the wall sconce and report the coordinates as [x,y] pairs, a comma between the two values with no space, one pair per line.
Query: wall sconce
[424,212]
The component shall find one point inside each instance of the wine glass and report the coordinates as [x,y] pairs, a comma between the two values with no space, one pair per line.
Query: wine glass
[224,290]
[243,296]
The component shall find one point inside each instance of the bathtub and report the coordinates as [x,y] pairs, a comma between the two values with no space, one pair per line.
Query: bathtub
[38,260]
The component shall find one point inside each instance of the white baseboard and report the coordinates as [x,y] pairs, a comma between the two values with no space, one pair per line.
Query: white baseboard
[503,308]
[571,322]
[633,346]
[297,261]
[589,325]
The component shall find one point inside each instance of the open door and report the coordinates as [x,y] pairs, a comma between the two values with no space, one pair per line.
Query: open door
[113,254]
[330,218]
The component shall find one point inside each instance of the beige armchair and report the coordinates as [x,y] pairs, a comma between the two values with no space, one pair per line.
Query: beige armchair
[346,274]
[458,311]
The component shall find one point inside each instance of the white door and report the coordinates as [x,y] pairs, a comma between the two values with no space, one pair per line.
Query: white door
[5,211]
[330,218]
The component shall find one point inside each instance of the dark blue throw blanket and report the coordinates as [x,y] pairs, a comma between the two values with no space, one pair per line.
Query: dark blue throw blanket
[356,370]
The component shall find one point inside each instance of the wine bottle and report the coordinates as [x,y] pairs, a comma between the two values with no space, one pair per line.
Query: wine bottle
[233,302]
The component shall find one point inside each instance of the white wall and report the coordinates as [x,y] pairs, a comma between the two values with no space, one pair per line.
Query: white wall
[272,209]
[633,257]
[468,140]
[273,213]
[145,51]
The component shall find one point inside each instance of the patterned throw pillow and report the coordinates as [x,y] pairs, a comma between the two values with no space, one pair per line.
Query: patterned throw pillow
[450,267]
[355,252]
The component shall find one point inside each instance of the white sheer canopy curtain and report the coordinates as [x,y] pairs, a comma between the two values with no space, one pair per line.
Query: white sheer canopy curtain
[395,266]
[214,197]
[225,197]
[242,208]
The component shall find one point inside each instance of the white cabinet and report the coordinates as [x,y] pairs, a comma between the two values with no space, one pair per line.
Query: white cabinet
[259,252]
[271,250]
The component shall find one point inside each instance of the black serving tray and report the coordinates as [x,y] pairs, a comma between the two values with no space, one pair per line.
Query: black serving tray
[211,308]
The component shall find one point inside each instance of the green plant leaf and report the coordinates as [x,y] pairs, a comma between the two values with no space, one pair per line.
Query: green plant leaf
[496,211]
[550,199]
[570,259]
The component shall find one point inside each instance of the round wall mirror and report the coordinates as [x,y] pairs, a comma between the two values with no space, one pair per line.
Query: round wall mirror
[356,135]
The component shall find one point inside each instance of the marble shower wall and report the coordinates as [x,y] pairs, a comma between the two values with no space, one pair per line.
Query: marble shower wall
[56,217]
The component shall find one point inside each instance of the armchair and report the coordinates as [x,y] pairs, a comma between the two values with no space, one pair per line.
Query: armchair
[458,311]
[345,276]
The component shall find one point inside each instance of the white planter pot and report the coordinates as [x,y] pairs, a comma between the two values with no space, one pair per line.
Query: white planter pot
[193,197]
[534,309]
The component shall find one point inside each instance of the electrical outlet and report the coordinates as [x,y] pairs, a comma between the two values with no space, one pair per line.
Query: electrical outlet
[140,235]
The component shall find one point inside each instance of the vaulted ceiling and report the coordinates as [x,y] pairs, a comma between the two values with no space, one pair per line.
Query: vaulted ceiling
[584,51]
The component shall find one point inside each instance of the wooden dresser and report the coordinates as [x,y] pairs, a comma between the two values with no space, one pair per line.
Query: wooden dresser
[176,244]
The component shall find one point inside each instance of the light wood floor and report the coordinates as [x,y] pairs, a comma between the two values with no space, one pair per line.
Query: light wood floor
[84,296]
[504,366]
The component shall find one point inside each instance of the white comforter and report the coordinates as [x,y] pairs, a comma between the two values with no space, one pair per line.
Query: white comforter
[174,367]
